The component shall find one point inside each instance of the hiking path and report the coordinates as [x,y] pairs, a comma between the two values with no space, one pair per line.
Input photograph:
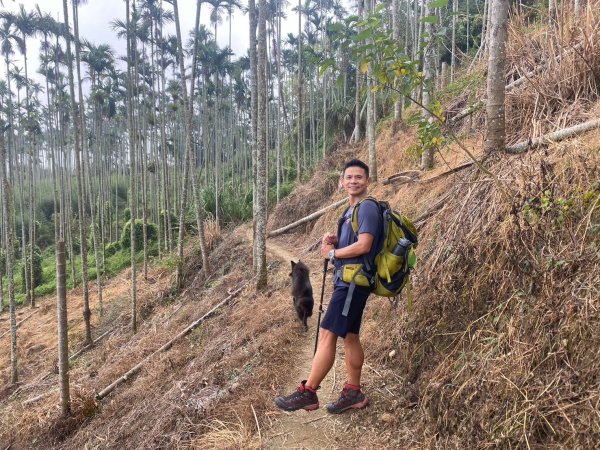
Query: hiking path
[307,430]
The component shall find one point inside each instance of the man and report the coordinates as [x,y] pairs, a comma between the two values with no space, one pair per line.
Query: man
[344,248]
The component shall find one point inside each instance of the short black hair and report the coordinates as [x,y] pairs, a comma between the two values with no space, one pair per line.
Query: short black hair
[356,163]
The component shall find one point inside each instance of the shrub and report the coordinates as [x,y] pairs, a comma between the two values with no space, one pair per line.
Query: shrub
[111,248]
[235,204]
[46,288]
[151,234]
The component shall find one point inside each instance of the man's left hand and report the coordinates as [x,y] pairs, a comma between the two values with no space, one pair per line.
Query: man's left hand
[325,248]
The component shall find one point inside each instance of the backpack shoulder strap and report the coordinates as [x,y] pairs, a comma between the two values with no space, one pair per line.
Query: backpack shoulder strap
[340,222]
[355,212]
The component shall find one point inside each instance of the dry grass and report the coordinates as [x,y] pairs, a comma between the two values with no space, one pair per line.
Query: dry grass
[502,348]
[197,395]
[500,351]
[562,94]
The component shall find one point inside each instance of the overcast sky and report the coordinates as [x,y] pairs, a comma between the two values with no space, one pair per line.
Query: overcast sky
[95,18]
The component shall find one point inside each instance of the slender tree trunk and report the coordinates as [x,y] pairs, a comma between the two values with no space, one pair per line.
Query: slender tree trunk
[254,117]
[24,251]
[63,338]
[371,115]
[428,62]
[496,80]
[132,169]
[261,212]
[87,186]
[468,31]
[80,192]
[165,167]
[28,267]
[359,76]
[453,58]
[551,14]
[279,104]
[190,141]
[31,293]
[300,150]
[190,154]
[8,217]
[396,35]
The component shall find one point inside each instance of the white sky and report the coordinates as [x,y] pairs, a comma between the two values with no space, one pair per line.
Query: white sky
[95,17]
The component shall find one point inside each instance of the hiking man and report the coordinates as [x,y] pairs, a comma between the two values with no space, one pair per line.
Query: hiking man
[344,248]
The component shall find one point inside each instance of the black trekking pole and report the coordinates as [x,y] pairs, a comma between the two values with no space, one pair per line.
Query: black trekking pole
[325,262]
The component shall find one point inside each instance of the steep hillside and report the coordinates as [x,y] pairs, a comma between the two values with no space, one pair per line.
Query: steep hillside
[500,350]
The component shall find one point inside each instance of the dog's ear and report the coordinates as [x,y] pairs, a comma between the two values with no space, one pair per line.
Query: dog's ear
[293,264]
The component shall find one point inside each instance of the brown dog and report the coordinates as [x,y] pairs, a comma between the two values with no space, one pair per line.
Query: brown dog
[302,292]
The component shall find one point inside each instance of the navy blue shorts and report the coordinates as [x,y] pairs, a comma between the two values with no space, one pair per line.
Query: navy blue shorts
[338,324]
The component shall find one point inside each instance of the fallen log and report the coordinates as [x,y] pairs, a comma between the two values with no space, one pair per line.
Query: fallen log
[398,180]
[555,136]
[135,369]
[407,175]
[509,87]
[519,81]
[467,111]
[448,172]
[420,221]
[306,219]
[405,179]
[87,347]
[19,324]
[38,397]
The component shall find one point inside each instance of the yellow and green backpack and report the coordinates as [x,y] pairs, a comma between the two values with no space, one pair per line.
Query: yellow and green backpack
[394,261]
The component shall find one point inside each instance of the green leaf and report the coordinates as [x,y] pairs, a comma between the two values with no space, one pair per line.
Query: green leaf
[363,35]
[336,27]
[438,4]
[326,65]
[364,66]
[430,19]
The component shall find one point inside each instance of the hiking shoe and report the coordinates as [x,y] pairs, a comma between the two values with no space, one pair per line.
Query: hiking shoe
[303,398]
[351,397]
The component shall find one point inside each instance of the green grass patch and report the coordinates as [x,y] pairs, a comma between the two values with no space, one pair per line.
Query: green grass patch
[466,82]
[114,264]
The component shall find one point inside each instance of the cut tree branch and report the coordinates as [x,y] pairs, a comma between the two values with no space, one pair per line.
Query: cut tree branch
[131,372]
[306,219]
[87,347]
[555,136]
[20,323]
[407,175]
[509,87]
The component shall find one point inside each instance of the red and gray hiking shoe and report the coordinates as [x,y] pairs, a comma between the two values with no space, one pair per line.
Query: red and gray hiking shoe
[351,397]
[303,398]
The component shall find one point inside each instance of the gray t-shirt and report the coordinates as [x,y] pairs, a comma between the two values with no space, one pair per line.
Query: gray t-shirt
[369,221]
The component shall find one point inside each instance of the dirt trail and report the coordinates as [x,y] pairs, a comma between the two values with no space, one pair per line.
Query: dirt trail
[307,429]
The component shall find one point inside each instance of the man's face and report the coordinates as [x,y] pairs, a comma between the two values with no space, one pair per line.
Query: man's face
[355,181]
